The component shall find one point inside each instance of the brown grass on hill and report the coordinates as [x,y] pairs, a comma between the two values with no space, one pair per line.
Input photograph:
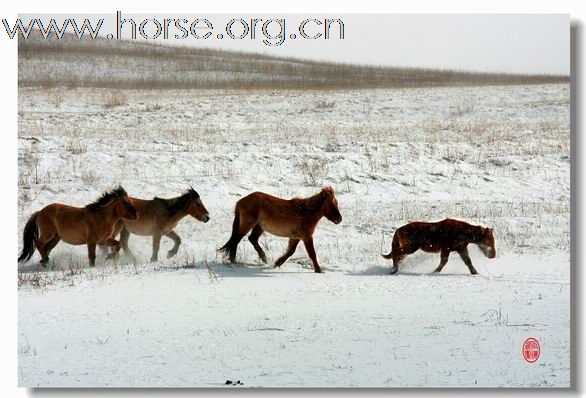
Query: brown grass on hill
[174,67]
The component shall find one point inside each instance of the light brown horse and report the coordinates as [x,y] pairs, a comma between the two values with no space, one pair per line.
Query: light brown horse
[295,219]
[89,225]
[444,236]
[159,217]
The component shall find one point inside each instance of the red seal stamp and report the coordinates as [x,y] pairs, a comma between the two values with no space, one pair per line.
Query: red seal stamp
[531,350]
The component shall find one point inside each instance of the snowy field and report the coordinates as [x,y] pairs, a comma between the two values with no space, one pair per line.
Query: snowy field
[495,156]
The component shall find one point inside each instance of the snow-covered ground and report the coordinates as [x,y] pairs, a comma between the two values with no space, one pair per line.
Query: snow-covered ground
[496,156]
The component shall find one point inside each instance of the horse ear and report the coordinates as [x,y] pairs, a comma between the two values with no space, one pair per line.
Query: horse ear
[192,192]
[120,191]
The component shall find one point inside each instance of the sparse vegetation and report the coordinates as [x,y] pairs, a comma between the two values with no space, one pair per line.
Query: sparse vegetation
[113,99]
[57,98]
[325,105]
[25,348]
[466,107]
[76,145]
[89,177]
[81,65]
[314,171]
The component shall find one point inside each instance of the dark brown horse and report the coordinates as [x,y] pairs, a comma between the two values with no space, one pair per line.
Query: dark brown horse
[159,217]
[445,237]
[295,219]
[90,225]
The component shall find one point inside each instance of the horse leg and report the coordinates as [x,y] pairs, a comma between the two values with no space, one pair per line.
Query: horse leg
[103,249]
[91,253]
[245,224]
[311,252]
[42,244]
[445,254]
[466,258]
[124,237]
[290,250]
[257,231]
[156,245]
[396,261]
[114,245]
[177,241]
[398,254]
[51,244]
[398,251]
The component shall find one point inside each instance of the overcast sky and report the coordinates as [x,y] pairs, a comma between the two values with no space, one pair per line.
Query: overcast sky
[508,43]
[535,43]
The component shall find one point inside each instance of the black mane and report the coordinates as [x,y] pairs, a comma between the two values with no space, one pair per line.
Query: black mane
[175,205]
[310,205]
[107,197]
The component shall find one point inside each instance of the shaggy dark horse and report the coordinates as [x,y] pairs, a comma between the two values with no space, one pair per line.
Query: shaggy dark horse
[90,225]
[159,217]
[295,219]
[445,237]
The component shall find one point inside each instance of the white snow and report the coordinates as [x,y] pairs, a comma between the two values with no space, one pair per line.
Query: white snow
[496,156]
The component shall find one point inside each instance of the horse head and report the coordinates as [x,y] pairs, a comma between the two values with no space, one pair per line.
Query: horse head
[330,207]
[486,243]
[196,208]
[126,209]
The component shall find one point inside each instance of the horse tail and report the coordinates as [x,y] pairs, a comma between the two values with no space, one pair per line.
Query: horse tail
[229,248]
[394,245]
[29,237]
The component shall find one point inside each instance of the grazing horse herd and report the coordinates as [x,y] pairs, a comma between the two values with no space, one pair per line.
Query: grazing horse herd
[116,213]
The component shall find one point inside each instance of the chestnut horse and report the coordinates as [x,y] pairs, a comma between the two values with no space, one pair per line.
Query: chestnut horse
[159,217]
[89,225]
[295,219]
[444,236]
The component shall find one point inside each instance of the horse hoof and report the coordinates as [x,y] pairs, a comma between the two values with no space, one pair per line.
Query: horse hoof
[170,254]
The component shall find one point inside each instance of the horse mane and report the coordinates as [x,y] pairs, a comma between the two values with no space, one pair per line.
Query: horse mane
[477,232]
[174,205]
[107,197]
[309,205]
